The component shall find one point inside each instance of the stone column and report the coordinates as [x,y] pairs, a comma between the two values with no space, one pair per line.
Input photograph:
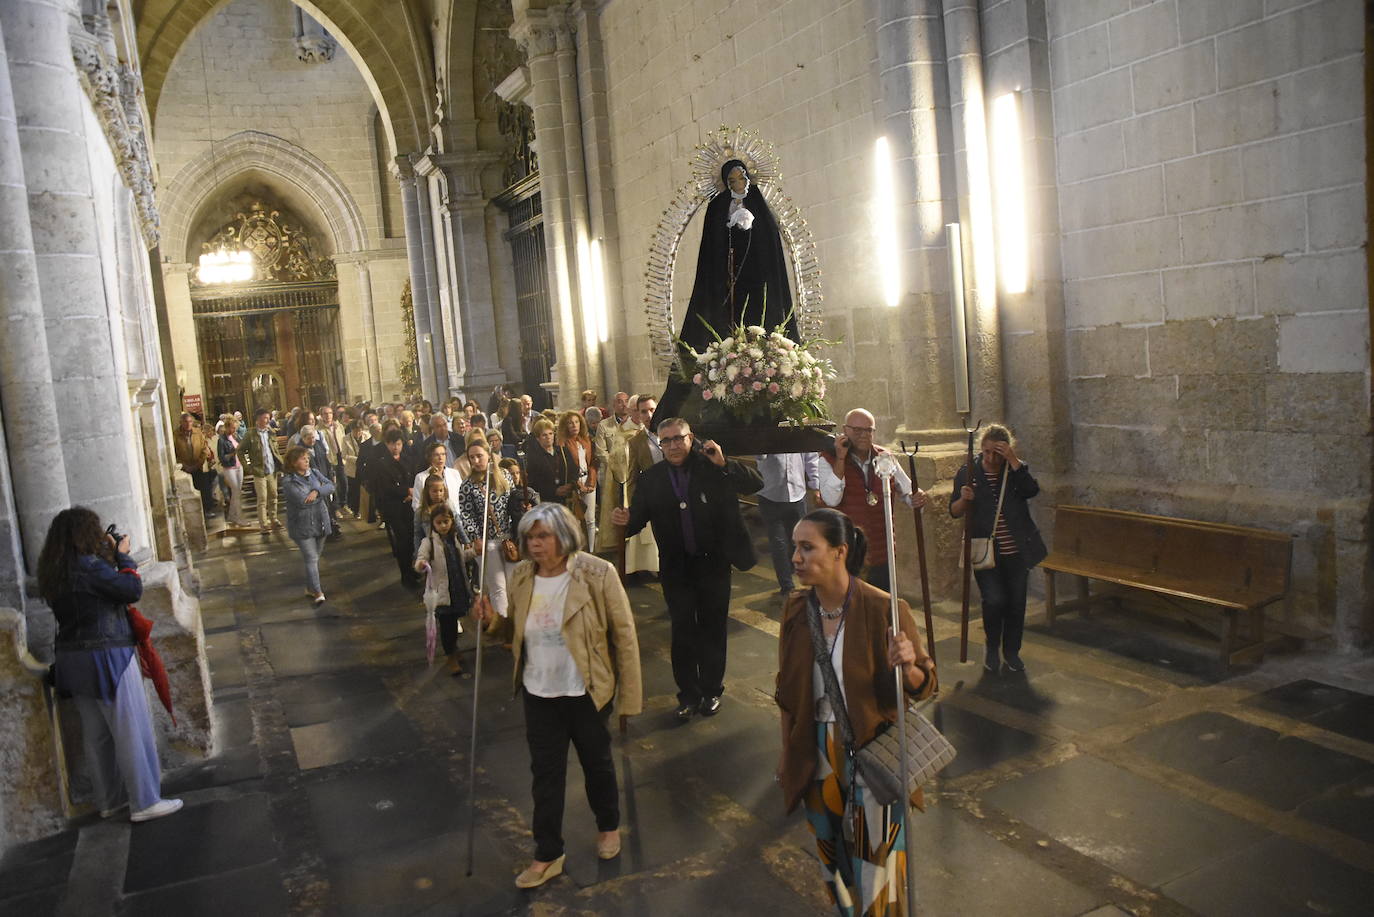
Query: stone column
[474,307]
[36,463]
[374,373]
[50,112]
[536,31]
[433,301]
[419,289]
[602,223]
[579,225]
[914,115]
[968,110]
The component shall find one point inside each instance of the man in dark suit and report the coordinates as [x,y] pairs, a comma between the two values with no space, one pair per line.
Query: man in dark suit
[392,477]
[691,499]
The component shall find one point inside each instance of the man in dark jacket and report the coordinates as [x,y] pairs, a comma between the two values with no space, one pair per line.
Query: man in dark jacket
[392,477]
[691,499]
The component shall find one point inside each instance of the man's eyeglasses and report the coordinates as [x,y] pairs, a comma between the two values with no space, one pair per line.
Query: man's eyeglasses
[858,429]
[674,440]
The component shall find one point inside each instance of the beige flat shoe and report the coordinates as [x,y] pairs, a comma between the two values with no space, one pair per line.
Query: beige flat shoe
[533,878]
[608,848]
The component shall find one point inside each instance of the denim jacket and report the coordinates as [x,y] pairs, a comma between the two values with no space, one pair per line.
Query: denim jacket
[92,613]
[306,520]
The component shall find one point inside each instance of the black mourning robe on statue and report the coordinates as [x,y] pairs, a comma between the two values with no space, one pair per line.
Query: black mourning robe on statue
[761,294]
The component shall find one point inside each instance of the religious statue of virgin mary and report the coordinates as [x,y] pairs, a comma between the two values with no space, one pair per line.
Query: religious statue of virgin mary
[742,272]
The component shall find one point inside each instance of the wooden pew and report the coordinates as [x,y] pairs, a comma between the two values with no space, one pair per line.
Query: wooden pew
[1213,576]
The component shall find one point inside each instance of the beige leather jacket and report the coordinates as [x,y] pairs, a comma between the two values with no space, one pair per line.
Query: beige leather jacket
[598,627]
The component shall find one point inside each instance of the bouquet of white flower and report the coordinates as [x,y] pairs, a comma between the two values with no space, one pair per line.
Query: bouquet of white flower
[755,372]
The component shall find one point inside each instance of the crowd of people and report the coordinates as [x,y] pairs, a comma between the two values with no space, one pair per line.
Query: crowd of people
[498,512]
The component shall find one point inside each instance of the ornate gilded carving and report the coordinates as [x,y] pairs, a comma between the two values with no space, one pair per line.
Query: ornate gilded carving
[114,91]
[409,370]
[282,253]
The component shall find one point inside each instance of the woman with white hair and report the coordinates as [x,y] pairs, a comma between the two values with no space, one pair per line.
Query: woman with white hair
[573,636]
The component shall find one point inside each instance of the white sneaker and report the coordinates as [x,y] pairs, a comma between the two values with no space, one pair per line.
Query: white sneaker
[319,599]
[157,810]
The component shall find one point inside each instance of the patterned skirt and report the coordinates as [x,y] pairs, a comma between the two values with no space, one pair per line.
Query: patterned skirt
[865,868]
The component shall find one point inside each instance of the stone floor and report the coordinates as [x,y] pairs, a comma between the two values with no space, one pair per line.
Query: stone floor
[1121,773]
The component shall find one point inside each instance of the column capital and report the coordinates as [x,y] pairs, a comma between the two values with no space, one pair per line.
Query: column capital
[540,33]
[403,170]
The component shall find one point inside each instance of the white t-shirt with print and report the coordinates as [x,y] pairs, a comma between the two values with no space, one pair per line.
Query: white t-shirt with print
[550,670]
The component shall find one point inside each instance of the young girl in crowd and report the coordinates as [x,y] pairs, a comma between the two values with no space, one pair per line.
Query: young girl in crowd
[521,496]
[434,495]
[441,557]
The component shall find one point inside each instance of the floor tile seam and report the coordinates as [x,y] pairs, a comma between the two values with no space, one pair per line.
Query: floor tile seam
[1006,715]
[182,883]
[1290,727]
[1350,850]
[304,878]
[1092,875]
[99,869]
[982,780]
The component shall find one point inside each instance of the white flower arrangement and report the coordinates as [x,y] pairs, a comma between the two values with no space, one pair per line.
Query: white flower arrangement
[756,371]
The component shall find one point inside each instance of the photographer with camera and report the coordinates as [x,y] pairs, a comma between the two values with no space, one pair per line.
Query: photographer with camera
[88,579]
[691,499]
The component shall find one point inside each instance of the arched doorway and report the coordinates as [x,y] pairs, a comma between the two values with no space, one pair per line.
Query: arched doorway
[271,339]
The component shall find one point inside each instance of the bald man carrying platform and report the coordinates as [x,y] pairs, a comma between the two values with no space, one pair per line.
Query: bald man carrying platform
[850,483]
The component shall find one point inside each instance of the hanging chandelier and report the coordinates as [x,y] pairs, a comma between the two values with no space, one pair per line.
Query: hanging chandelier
[225,265]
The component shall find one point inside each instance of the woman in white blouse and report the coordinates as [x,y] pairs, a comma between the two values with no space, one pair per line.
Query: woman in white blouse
[573,636]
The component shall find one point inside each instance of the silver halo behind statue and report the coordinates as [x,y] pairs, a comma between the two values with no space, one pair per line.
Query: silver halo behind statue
[720,146]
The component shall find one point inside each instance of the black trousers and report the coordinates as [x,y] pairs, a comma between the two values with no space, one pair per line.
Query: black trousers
[355,494]
[1003,588]
[550,724]
[205,483]
[400,531]
[698,595]
[447,616]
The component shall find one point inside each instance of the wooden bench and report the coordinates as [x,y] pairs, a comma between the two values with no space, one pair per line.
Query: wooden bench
[1213,576]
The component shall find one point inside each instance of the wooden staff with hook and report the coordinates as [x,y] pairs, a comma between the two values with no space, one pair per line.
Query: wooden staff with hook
[968,548]
[921,550]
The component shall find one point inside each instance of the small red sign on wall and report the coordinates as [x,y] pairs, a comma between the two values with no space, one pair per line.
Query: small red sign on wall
[191,404]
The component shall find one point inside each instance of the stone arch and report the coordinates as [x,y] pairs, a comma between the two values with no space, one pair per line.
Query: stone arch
[387,39]
[252,151]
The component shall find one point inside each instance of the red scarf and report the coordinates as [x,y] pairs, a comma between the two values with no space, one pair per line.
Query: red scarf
[149,662]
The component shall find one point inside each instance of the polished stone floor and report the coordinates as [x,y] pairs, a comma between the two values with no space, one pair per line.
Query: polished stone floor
[1120,774]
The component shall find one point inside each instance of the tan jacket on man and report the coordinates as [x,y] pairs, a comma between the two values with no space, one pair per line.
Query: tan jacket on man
[598,627]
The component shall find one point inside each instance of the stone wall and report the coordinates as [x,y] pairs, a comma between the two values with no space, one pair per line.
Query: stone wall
[801,74]
[30,800]
[1211,193]
[1195,341]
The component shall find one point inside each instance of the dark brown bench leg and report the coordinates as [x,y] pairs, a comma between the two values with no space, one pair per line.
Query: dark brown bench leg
[1085,609]
[1049,597]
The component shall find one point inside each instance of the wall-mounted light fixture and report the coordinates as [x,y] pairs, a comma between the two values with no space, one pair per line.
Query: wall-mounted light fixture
[885,223]
[1009,186]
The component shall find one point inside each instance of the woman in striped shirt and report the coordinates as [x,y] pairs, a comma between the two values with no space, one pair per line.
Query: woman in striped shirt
[1017,544]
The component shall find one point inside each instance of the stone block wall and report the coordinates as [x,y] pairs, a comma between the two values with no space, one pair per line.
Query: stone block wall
[1211,167]
[802,75]
[30,800]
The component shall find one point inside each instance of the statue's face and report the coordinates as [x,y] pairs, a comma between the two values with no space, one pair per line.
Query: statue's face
[738,181]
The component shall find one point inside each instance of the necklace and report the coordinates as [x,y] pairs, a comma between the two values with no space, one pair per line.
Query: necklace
[831,615]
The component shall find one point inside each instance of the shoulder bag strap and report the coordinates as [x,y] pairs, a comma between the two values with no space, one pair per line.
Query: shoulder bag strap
[1001,495]
[828,676]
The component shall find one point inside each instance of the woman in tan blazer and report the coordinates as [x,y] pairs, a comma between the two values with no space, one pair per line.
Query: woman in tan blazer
[573,636]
